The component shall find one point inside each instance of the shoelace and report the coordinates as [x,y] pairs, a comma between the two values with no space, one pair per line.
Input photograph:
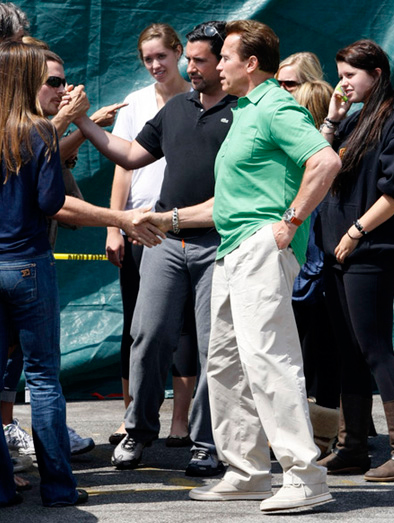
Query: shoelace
[129,443]
[200,454]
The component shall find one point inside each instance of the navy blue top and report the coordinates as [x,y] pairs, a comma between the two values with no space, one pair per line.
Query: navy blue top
[374,177]
[25,201]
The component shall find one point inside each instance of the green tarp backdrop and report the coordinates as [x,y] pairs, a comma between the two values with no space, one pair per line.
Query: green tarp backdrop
[97,40]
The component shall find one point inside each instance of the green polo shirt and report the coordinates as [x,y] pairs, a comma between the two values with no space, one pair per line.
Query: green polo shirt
[260,165]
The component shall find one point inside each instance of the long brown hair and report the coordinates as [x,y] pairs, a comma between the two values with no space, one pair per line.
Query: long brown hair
[366,55]
[23,71]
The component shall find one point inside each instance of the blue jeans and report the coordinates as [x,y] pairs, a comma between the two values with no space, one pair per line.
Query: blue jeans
[29,304]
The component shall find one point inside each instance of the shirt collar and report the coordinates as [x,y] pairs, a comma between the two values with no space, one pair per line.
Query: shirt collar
[258,92]
[195,97]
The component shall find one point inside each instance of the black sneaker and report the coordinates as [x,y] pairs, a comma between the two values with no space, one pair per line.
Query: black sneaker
[128,453]
[204,464]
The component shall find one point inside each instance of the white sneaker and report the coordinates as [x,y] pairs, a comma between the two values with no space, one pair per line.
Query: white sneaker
[79,445]
[204,464]
[297,496]
[18,439]
[224,491]
[20,463]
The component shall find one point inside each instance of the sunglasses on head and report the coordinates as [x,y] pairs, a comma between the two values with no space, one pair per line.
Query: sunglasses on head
[211,31]
[55,81]
[288,83]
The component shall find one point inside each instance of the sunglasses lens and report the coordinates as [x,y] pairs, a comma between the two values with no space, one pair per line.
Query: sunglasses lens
[209,30]
[288,83]
[56,81]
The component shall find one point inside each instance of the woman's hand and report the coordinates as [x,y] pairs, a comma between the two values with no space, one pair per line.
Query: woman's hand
[345,247]
[338,107]
[114,246]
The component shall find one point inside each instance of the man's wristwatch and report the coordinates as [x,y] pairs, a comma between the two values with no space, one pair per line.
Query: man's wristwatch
[175,221]
[290,217]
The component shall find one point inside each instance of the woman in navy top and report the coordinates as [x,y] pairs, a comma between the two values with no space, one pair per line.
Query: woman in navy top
[31,188]
[357,224]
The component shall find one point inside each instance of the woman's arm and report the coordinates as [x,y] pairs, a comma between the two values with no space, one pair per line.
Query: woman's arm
[381,211]
[337,111]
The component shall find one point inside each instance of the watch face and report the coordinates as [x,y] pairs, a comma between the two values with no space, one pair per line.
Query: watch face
[288,215]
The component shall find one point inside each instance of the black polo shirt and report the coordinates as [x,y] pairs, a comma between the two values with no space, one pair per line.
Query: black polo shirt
[189,137]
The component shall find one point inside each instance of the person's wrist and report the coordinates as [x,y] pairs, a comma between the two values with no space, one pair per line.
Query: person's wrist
[113,230]
[353,233]
[174,224]
[290,226]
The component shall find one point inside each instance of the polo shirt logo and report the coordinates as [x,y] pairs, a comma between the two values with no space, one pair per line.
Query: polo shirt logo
[224,120]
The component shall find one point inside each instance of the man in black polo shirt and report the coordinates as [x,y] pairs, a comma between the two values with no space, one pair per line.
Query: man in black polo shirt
[188,131]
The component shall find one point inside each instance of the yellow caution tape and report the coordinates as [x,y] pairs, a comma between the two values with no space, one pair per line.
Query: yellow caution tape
[81,257]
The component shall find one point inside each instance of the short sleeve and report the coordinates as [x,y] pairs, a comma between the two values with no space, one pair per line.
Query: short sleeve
[293,130]
[50,185]
[150,137]
[125,121]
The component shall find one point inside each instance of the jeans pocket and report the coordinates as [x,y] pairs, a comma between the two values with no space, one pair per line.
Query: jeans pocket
[22,283]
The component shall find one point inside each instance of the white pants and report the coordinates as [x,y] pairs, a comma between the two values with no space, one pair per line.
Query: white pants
[255,376]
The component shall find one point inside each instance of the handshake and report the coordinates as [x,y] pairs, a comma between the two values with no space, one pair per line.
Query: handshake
[142,227]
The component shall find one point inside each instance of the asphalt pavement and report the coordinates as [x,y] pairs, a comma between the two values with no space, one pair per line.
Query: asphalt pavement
[157,491]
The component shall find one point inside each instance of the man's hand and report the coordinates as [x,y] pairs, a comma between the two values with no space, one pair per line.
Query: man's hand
[142,232]
[75,103]
[283,233]
[105,116]
[115,246]
[162,220]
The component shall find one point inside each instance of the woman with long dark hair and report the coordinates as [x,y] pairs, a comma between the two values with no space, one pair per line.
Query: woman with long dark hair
[357,227]
[31,188]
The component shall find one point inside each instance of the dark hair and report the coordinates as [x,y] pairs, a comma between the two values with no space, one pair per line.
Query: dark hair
[216,40]
[163,31]
[257,40]
[366,55]
[12,20]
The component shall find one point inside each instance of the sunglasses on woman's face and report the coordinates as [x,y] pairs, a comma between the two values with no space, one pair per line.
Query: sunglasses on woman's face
[55,81]
[288,83]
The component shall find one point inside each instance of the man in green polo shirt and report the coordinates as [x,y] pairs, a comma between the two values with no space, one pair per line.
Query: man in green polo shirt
[271,172]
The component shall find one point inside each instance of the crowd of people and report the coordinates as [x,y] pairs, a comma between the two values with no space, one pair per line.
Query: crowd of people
[225,278]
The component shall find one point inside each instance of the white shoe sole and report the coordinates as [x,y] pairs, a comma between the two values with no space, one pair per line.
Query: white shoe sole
[228,496]
[294,503]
